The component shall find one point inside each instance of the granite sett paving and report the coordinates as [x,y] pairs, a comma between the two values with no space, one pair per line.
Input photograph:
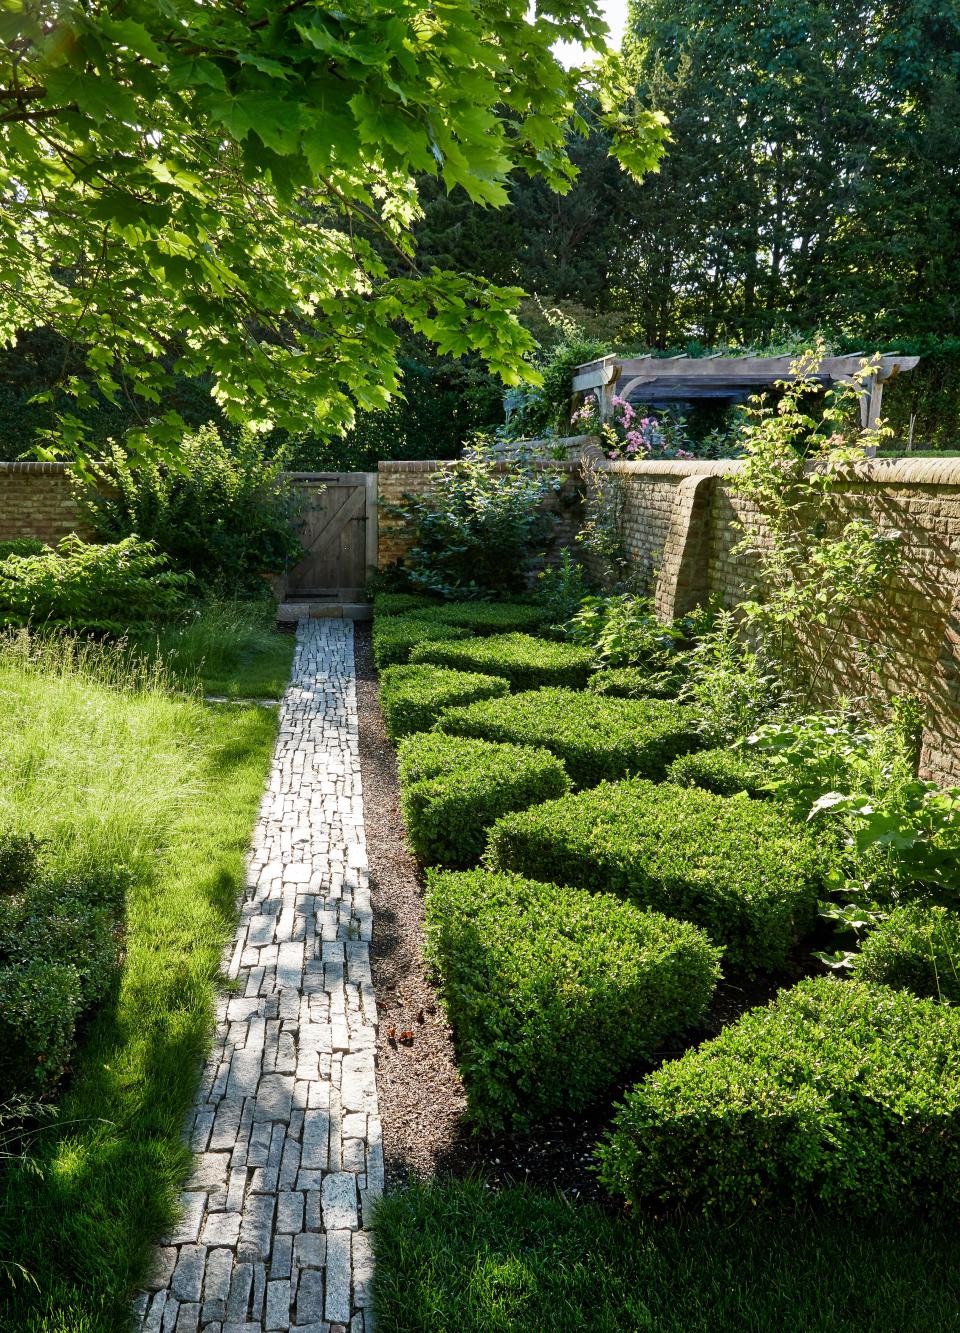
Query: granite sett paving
[288,1159]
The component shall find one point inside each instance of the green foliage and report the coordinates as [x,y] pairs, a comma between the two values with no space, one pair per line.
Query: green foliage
[478,528]
[225,514]
[207,166]
[596,737]
[623,631]
[553,993]
[769,110]
[452,790]
[524,661]
[724,771]
[915,948]
[813,575]
[21,546]
[395,636]
[86,586]
[839,1091]
[729,686]
[400,603]
[634,682]
[739,868]
[546,409]
[560,588]
[39,1004]
[19,861]
[500,617]
[413,696]
[230,649]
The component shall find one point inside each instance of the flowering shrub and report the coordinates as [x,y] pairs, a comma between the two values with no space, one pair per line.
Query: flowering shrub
[628,435]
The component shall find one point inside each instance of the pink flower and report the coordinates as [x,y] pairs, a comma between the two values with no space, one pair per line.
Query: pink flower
[612,453]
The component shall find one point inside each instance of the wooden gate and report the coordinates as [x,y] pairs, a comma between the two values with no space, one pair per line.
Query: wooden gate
[339,535]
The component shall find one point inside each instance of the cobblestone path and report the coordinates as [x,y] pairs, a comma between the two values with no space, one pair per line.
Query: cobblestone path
[288,1156]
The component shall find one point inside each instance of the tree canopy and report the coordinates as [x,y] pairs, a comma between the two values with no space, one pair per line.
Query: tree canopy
[210,190]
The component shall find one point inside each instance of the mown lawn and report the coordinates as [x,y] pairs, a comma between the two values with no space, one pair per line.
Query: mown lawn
[106,765]
[456,1257]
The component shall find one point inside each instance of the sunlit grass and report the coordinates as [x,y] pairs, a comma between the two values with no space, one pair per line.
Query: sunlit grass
[101,757]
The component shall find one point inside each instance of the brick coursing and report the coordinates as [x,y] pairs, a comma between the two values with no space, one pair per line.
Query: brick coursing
[36,500]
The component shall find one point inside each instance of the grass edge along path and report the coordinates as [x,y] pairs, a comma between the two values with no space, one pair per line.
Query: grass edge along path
[110,1167]
[457,1257]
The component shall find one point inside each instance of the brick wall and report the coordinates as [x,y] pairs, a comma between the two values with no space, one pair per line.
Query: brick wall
[685,516]
[36,500]
[396,479]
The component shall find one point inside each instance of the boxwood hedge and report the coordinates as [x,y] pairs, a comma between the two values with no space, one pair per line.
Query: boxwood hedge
[838,1091]
[635,683]
[739,868]
[595,737]
[917,948]
[524,661]
[492,617]
[553,993]
[413,696]
[453,789]
[723,771]
[401,603]
[394,636]
[40,1001]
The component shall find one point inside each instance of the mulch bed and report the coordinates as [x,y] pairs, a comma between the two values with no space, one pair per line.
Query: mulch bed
[421,1094]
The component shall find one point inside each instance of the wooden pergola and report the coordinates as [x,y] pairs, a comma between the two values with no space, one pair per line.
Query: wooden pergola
[654,380]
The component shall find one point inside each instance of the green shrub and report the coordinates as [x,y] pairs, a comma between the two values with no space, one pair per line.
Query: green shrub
[723,771]
[395,636]
[227,516]
[527,663]
[56,922]
[84,586]
[453,789]
[491,617]
[400,603]
[21,546]
[414,695]
[635,683]
[623,631]
[838,1091]
[19,861]
[916,948]
[553,993]
[596,738]
[739,868]
[39,1003]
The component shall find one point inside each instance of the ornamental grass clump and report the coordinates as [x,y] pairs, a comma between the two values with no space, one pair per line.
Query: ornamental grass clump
[839,1092]
[395,636]
[413,695]
[723,771]
[597,738]
[453,789]
[552,993]
[739,868]
[916,948]
[526,662]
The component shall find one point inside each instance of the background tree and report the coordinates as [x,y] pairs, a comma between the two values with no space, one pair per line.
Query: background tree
[196,190]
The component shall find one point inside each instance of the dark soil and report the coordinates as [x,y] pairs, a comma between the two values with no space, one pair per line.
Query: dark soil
[422,1102]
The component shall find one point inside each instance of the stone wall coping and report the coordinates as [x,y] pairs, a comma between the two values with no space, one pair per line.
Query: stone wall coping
[878,471]
[35,468]
[437,464]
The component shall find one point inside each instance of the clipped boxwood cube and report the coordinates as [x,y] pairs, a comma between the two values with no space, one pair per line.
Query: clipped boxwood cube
[552,994]
[401,603]
[394,637]
[453,789]
[596,738]
[39,1004]
[492,617]
[526,662]
[723,771]
[917,948]
[56,922]
[636,683]
[839,1091]
[414,695]
[741,869]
